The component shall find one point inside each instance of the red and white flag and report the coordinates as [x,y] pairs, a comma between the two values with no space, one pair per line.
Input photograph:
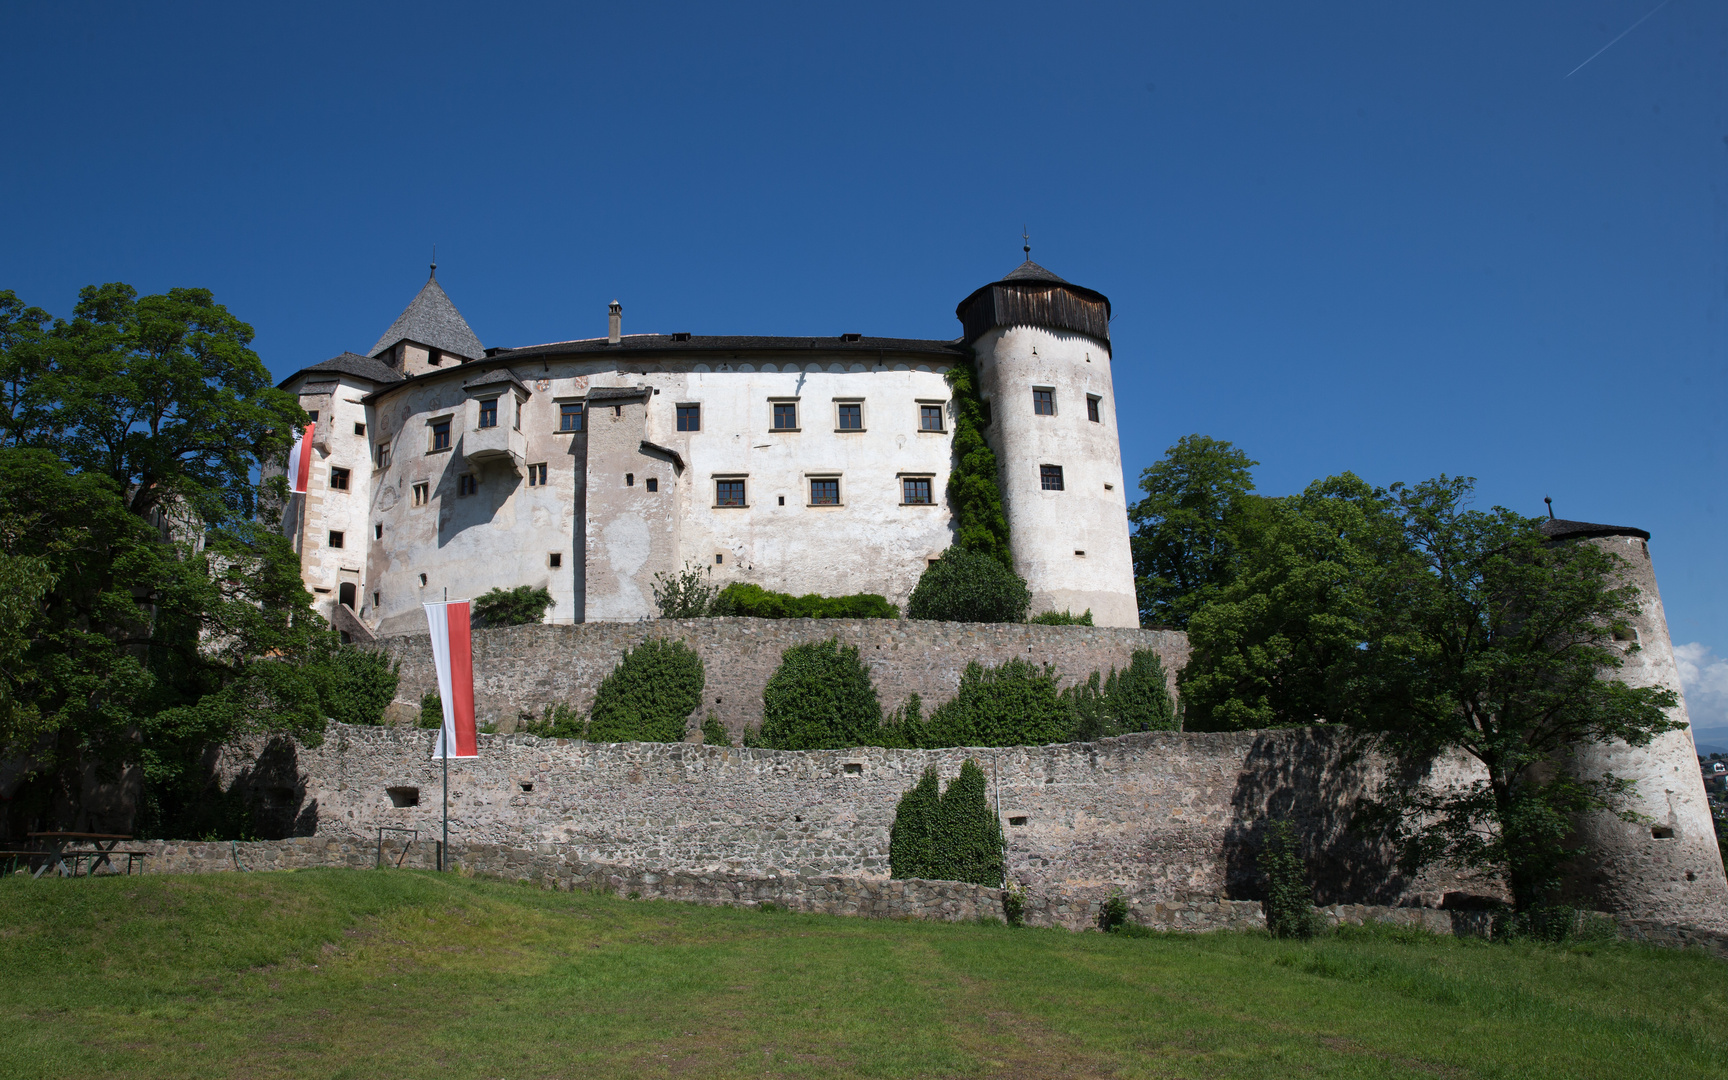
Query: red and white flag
[453,654]
[300,462]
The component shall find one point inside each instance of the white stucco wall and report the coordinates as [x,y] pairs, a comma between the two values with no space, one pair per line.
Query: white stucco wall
[323,510]
[1049,529]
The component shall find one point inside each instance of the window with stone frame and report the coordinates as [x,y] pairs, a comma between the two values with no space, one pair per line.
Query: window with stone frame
[570,416]
[729,492]
[825,491]
[849,415]
[1043,402]
[915,490]
[441,434]
[689,418]
[1050,477]
[785,416]
[338,479]
[929,418]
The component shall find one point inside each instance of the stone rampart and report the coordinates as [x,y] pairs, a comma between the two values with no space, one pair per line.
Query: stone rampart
[522,669]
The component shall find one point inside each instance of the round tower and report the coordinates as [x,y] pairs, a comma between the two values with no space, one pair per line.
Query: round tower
[1666,867]
[1043,353]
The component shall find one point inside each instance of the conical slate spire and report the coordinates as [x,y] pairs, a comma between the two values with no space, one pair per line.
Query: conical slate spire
[433,320]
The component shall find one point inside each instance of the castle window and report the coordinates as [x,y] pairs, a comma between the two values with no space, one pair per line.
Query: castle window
[1050,477]
[629,479]
[728,493]
[929,418]
[335,539]
[555,559]
[570,416]
[718,559]
[489,413]
[383,455]
[359,429]
[782,500]
[422,492]
[1044,402]
[915,490]
[689,418]
[338,479]
[375,601]
[785,416]
[378,532]
[652,484]
[467,484]
[850,416]
[825,491]
[537,475]
[441,434]
[1092,407]
[422,581]
[313,413]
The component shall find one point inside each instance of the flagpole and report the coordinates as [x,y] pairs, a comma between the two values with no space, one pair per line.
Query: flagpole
[445,846]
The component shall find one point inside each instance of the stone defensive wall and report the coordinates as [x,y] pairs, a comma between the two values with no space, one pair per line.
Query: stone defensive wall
[521,669]
[1163,817]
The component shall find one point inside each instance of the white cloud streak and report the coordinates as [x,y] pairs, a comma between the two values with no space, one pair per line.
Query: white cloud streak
[1704,678]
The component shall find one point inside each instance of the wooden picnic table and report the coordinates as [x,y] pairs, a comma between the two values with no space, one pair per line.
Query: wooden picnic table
[102,846]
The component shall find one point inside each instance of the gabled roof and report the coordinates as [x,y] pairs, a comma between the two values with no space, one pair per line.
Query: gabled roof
[1561,529]
[361,367]
[945,351]
[431,319]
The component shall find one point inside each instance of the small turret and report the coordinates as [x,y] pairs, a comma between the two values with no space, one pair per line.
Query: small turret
[429,333]
[1043,352]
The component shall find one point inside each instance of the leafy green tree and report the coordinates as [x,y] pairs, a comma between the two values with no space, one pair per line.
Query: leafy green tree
[966,586]
[649,696]
[1280,644]
[1494,641]
[974,493]
[511,607]
[1014,704]
[354,686]
[820,697]
[688,594]
[1186,526]
[23,355]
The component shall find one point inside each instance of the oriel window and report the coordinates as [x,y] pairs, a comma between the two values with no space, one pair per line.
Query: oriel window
[570,416]
[489,413]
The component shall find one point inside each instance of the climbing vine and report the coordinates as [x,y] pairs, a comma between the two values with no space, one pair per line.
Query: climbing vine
[974,493]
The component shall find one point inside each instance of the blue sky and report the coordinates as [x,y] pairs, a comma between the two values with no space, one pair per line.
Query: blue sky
[1394,239]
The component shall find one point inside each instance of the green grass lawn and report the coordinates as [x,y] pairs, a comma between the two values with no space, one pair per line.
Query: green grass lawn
[402,974]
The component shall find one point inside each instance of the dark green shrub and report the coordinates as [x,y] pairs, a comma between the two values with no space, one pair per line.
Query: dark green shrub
[904,727]
[742,598]
[354,685]
[966,586]
[952,837]
[515,607]
[714,732]
[1087,704]
[820,698]
[1289,901]
[1015,704]
[1139,697]
[688,594]
[1013,905]
[1063,618]
[974,494]
[431,710]
[649,696]
[1113,916]
[559,721]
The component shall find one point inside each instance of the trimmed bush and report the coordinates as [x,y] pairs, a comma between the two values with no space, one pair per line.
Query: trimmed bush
[354,685]
[1015,704]
[714,732]
[952,837]
[649,696]
[966,586]
[1289,901]
[820,698]
[559,721]
[1063,618]
[1139,697]
[515,607]
[741,598]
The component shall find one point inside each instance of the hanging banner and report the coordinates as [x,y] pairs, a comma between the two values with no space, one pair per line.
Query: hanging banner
[300,462]
[453,654]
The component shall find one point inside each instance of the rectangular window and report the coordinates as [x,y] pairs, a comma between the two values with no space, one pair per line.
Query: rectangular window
[537,475]
[359,429]
[728,493]
[467,484]
[689,418]
[422,492]
[1050,477]
[929,418]
[1092,408]
[335,539]
[785,416]
[441,435]
[555,560]
[489,413]
[653,484]
[377,532]
[825,491]
[915,490]
[1044,402]
[383,455]
[338,479]
[851,416]
[570,416]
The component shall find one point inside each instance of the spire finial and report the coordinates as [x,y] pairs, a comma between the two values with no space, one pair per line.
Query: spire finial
[434,260]
[1550,503]
[1026,242]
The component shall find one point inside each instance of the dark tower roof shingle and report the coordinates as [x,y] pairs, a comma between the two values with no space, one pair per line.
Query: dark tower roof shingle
[362,367]
[1561,529]
[431,319]
[1031,271]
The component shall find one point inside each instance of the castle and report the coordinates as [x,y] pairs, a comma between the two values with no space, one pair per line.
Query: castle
[801,464]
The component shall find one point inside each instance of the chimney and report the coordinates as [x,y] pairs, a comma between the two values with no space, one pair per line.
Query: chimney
[614,322]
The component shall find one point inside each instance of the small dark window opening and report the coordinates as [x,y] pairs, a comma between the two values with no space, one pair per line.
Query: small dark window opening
[422,581]
[782,500]
[403,796]
[375,600]
[489,413]
[467,484]
[527,785]
[1017,820]
[338,479]
[555,560]
[617,410]
[335,539]
[1050,477]
[313,414]
[359,429]
[652,484]
[1080,553]
[377,532]
[345,595]
[718,559]
[853,768]
[689,418]
[1044,402]
[629,479]
[1662,832]
[1092,408]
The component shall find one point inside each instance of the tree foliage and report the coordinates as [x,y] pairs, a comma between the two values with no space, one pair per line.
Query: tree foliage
[688,594]
[974,493]
[1289,903]
[1185,528]
[1013,704]
[744,599]
[1134,699]
[511,607]
[820,697]
[649,696]
[954,836]
[966,586]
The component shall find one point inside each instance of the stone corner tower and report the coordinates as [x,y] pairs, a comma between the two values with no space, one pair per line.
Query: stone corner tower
[1043,353]
[1668,867]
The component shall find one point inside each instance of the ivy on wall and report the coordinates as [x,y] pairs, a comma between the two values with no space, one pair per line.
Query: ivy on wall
[954,836]
[820,698]
[974,489]
[649,695]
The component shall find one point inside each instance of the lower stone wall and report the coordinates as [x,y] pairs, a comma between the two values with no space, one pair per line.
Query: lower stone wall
[522,669]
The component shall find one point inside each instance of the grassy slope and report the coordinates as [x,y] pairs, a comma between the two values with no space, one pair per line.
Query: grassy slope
[351,973]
